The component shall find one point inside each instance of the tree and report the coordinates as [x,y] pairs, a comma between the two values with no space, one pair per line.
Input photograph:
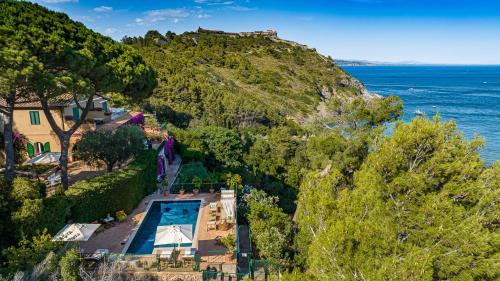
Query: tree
[77,64]
[29,252]
[17,69]
[420,209]
[270,226]
[111,147]
[151,36]
[70,266]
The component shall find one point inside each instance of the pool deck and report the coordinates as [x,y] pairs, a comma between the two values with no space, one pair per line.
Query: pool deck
[112,238]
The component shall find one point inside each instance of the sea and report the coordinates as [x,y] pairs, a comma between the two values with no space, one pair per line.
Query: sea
[469,95]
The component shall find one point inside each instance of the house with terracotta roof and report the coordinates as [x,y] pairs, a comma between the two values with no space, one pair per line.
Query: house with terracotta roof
[30,120]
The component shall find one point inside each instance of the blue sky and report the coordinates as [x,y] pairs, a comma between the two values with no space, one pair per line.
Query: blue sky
[437,31]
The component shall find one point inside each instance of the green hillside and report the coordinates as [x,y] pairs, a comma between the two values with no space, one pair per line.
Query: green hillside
[231,80]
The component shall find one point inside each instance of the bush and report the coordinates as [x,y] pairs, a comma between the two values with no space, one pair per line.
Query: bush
[55,213]
[70,266]
[122,190]
[24,188]
[121,216]
[229,242]
[29,252]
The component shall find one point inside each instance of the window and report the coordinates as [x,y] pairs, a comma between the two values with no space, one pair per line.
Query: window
[38,148]
[76,114]
[105,106]
[35,117]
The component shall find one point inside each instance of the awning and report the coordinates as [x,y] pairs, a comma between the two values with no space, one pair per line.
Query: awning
[174,234]
[76,232]
[45,158]
[228,202]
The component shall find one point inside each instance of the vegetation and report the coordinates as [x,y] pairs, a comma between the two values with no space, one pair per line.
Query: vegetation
[270,227]
[35,219]
[29,252]
[111,147]
[230,243]
[295,135]
[122,190]
[213,79]
[421,197]
[70,266]
[66,62]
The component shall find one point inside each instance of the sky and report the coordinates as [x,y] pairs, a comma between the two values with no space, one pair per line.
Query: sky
[425,31]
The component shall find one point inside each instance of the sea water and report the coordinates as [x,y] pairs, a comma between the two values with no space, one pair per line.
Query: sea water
[469,95]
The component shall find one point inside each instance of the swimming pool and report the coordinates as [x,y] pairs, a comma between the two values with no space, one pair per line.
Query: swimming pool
[163,213]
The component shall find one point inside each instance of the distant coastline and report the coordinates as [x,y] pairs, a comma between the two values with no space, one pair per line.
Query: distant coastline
[343,62]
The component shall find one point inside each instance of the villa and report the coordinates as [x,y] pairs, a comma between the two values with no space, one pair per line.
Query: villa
[30,121]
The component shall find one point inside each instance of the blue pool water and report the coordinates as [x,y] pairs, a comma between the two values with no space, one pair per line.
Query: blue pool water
[163,213]
[470,95]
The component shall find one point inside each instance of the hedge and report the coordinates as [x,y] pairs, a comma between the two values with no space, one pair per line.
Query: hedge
[122,190]
[55,213]
[92,199]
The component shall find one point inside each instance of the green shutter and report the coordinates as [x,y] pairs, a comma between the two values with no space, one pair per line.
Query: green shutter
[105,106]
[76,114]
[46,147]
[31,150]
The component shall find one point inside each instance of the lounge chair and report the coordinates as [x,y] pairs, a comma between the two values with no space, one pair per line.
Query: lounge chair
[213,207]
[189,253]
[211,225]
[165,252]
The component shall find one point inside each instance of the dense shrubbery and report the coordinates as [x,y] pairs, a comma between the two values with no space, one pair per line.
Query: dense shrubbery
[85,201]
[122,190]
[209,79]
[420,197]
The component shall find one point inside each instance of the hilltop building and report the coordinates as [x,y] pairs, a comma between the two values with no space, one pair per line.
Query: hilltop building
[268,33]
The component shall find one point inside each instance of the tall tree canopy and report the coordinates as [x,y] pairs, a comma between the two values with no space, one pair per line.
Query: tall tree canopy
[77,63]
[18,67]
[422,207]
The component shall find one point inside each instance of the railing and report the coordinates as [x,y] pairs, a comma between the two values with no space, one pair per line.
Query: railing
[220,257]
[158,263]
[217,275]
[189,187]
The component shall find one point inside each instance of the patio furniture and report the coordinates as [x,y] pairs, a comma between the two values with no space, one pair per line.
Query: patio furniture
[228,201]
[108,219]
[54,179]
[188,257]
[224,225]
[124,241]
[213,207]
[188,253]
[164,252]
[211,225]
[99,254]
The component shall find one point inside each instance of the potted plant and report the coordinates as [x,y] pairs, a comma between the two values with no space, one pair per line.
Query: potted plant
[211,178]
[230,243]
[182,191]
[165,185]
[197,182]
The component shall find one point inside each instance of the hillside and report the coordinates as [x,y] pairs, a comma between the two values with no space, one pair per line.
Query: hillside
[231,80]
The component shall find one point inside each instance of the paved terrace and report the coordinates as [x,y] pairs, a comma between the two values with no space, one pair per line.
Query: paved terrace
[113,238]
